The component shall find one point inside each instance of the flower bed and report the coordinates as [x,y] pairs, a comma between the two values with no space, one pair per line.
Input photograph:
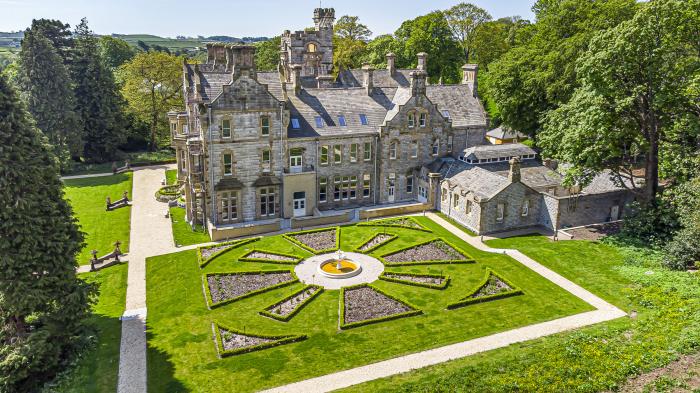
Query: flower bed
[399,222]
[492,287]
[207,253]
[433,281]
[270,257]
[362,305]
[317,241]
[231,342]
[434,251]
[288,307]
[375,242]
[224,288]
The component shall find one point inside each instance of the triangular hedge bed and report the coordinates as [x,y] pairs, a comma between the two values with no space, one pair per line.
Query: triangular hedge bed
[254,256]
[492,287]
[271,310]
[440,245]
[404,309]
[294,237]
[206,254]
[418,280]
[385,239]
[215,299]
[397,222]
[226,338]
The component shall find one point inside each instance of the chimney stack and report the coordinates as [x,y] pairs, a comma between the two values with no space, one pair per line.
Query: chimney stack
[391,63]
[296,78]
[514,174]
[418,82]
[469,75]
[369,79]
[423,61]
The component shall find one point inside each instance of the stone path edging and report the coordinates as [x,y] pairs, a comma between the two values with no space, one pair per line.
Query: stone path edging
[343,379]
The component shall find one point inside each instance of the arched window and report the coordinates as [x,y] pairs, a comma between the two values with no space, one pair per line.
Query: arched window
[311,47]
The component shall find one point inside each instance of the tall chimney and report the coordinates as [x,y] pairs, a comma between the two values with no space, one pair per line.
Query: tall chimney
[296,78]
[391,63]
[514,174]
[417,79]
[369,79]
[423,61]
[469,75]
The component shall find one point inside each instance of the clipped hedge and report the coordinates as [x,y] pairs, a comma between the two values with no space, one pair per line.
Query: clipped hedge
[245,258]
[279,340]
[473,300]
[387,222]
[445,279]
[384,243]
[344,326]
[207,293]
[234,244]
[468,258]
[296,310]
[290,236]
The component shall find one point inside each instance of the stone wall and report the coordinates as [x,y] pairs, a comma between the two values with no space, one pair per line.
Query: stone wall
[592,209]
[471,220]
[512,197]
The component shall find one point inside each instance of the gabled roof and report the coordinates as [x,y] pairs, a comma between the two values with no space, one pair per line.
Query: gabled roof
[459,101]
[485,152]
[504,132]
[380,78]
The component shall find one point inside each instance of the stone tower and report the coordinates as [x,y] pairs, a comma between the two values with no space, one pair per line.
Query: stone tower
[312,50]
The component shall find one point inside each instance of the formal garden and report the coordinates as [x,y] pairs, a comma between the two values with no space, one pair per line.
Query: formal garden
[239,313]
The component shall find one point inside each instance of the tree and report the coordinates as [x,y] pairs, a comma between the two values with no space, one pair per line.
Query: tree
[267,54]
[631,100]
[42,303]
[465,20]
[115,51]
[152,87]
[349,28]
[98,102]
[58,33]
[47,86]
[376,50]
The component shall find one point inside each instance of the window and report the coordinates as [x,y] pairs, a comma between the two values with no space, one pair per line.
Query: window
[337,154]
[183,161]
[366,178]
[353,152]
[414,149]
[468,207]
[295,160]
[226,128]
[422,192]
[363,119]
[409,185]
[336,188]
[345,188]
[311,47]
[446,113]
[341,121]
[266,157]
[323,189]
[368,151]
[436,147]
[265,125]
[229,206]
[353,187]
[411,120]
[526,208]
[319,121]
[449,143]
[228,164]
[455,200]
[500,212]
[267,202]
[444,195]
[422,119]
[173,128]
[392,150]
[324,155]
[295,123]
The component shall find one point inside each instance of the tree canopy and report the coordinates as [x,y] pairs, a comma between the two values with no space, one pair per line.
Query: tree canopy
[465,20]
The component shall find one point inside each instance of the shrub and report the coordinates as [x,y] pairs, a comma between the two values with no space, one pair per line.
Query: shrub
[212,305]
[279,340]
[234,244]
[514,291]
[414,310]
[286,318]
[683,251]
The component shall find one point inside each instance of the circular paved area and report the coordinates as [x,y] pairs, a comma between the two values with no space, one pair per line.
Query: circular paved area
[307,270]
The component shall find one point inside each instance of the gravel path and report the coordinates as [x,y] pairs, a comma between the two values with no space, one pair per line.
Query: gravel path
[230,286]
[433,251]
[366,303]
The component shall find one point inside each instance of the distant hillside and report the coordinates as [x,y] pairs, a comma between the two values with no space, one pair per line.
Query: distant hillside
[181,42]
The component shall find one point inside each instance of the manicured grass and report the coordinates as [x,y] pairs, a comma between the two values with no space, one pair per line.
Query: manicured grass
[181,351]
[98,367]
[102,228]
[171,176]
[596,358]
[182,232]
[142,158]
[455,223]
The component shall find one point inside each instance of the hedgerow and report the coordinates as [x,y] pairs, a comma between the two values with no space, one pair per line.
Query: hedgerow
[286,318]
[502,295]
[245,257]
[279,340]
[290,236]
[414,310]
[445,279]
[207,293]
[234,244]
[467,258]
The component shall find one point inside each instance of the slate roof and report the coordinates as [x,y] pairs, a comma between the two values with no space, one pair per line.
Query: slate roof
[380,77]
[228,183]
[505,133]
[267,180]
[473,178]
[532,173]
[484,152]
[604,183]
[464,109]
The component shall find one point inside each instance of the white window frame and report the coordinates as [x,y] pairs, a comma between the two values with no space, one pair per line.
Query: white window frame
[227,169]
[323,189]
[366,185]
[267,199]
[422,119]
[393,150]
[500,212]
[409,185]
[526,208]
[450,141]
[414,149]
[337,154]
[435,147]
[363,119]
[367,151]
[324,155]
[353,152]
[263,127]
[224,133]
[411,120]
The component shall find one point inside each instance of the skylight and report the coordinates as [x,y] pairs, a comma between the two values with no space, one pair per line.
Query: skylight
[363,119]
[446,113]
[295,123]
[319,121]
[341,121]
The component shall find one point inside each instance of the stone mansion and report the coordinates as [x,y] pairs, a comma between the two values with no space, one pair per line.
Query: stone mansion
[262,151]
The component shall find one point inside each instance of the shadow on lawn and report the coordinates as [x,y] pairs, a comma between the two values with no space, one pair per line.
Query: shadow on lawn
[161,373]
[98,181]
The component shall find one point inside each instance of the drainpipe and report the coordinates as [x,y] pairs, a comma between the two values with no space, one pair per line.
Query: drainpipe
[282,203]
[211,170]
[376,179]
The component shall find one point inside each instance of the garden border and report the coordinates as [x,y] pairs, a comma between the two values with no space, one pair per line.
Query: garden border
[207,293]
[290,236]
[378,223]
[384,243]
[279,340]
[297,309]
[467,300]
[235,244]
[468,258]
[244,257]
[444,285]
[344,326]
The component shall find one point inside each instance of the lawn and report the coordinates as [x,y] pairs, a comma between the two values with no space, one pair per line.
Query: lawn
[182,355]
[98,367]
[139,158]
[596,358]
[102,228]
[171,176]
[455,223]
[182,232]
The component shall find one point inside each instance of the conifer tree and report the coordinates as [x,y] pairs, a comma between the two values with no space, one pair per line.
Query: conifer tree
[42,303]
[98,102]
[47,86]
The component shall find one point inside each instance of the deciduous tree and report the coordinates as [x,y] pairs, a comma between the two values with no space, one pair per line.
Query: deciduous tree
[465,20]
[115,51]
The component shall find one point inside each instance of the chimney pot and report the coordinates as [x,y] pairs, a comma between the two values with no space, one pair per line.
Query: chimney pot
[296,78]
[418,83]
[514,174]
[423,61]
[470,73]
[391,63]
[369,78]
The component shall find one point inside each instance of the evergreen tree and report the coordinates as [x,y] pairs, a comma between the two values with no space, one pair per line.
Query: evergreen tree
[42,303]
[98,102]
[58,33]
[47,86]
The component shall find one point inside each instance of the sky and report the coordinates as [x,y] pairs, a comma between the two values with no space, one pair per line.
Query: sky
[236,18]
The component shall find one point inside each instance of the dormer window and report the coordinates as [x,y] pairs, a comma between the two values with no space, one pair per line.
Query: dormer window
[363,119]
[341,121]
[422,120]
[295,123]
[446,113]
[319,121]
[411,120]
